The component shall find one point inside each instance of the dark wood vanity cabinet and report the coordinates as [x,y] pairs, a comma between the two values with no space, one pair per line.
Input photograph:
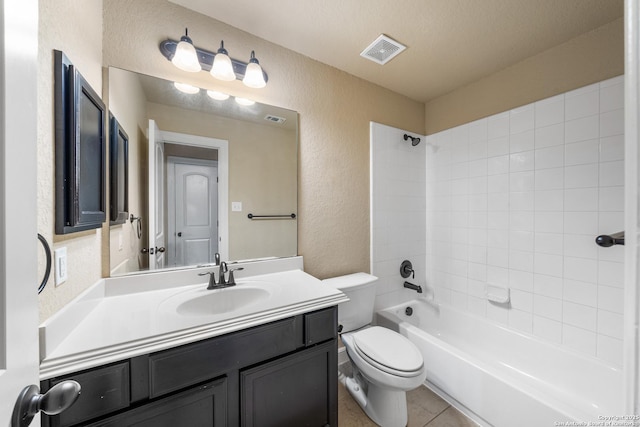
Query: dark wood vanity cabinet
[281,374]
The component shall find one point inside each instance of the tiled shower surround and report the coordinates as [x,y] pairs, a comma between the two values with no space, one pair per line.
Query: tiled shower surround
[516,200]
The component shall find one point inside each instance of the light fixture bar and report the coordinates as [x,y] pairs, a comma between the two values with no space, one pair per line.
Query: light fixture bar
[205,57]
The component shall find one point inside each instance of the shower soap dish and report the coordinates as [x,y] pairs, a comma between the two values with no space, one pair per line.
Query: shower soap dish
[497,294]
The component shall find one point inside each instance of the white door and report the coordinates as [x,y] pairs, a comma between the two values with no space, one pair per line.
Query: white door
[18,231]
[193,210]
[156,198]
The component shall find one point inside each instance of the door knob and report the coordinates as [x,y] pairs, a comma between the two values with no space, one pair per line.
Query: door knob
[60,397]
[179,233]
[160,249]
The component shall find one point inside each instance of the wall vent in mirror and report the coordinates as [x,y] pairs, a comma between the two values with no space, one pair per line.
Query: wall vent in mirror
[80,150]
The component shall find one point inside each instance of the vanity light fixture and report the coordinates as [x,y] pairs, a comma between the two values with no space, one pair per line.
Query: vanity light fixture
[244,101]
[222,69]
[218,96]
[185,56]
[253,77]
[252,74]
[186,88]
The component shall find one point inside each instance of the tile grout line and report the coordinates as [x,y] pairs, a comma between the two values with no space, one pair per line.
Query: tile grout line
[439,413]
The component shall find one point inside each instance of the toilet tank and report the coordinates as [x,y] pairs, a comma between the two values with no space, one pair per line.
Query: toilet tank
[361,290]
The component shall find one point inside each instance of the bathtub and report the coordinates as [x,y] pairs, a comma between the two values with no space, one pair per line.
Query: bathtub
[504,378]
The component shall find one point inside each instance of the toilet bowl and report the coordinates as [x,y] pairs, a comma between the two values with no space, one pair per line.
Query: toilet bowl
[385,364]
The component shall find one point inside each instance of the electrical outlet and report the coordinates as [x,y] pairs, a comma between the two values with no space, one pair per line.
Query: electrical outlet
[60,268]
[236,206]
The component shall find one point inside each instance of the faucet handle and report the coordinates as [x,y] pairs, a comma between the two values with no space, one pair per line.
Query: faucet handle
[232,280]
[212,279]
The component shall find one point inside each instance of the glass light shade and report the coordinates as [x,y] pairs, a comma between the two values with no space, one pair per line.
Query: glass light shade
[245,101]
[186,57]
[186,88]
[253,77]
[222,68]
[218,96]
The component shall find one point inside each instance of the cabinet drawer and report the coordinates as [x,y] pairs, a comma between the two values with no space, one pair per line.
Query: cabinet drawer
[104,390]
[320,326]
[190,364]
[201,406]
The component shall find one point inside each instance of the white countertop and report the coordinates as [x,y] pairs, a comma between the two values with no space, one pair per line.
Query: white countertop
[112,322]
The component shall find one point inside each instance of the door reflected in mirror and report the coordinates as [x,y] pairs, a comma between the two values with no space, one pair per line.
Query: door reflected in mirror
[197,168]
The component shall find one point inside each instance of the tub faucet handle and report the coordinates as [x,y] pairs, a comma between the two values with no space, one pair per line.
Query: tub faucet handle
[406,269]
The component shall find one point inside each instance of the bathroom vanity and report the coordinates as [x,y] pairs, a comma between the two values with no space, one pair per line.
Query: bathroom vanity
[273,363]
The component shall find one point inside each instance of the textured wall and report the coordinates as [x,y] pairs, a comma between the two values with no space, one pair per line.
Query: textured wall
[335,109]
[128,103]
[586,59]
[75,27]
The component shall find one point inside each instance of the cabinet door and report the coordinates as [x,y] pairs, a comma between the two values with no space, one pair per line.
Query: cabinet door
[201,406]
[297,390]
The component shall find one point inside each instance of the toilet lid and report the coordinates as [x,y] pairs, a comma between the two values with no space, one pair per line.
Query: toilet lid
[388,350]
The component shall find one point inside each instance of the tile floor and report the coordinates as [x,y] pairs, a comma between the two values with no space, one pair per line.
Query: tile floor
[426,409]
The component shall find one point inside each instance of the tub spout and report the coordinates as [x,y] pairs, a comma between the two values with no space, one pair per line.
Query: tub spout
[416,288]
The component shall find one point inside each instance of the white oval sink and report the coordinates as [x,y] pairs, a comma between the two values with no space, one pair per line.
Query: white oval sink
[220,301]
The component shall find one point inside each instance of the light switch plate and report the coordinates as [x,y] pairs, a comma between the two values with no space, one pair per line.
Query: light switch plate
[60,267]
[236,206]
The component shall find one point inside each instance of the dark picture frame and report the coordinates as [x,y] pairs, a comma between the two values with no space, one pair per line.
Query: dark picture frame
[118,172]
[80,150]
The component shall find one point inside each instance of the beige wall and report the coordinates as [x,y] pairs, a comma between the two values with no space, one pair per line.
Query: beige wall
[262,175]
[74,27]
[128,104]
[586,59]
[335,109]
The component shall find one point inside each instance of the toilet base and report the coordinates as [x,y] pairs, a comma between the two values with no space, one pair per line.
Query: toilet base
[386,407]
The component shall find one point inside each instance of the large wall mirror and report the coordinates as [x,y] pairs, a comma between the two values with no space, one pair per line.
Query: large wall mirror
[198,167]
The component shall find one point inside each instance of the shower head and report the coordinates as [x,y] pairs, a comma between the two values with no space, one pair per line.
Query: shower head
[414,139]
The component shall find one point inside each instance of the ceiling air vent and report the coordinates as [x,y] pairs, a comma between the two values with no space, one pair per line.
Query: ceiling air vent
[382,50]
[274,119]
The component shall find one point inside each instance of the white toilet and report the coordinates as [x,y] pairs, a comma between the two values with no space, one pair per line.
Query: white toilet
[385,364]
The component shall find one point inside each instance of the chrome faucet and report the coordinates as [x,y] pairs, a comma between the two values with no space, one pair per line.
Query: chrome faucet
[222,282]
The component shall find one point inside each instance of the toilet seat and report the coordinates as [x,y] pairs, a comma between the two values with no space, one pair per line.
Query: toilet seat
[388,351]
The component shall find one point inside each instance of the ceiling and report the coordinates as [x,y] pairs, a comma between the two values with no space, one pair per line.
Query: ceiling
[451,43]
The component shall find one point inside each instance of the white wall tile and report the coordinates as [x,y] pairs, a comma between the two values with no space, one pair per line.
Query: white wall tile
[549,179]
[582,152]
[549,111]
[550,308]
[549,136]
[611,174]
[498,125]
[549,157]
[611,96]
[579,339]
[548,286]
[523,141]
[580,316]
[584,104]
[521,119]
[516,200]
[582,129]
[549,243]
[581,176]
[612,148]
[612,123]
[498,146]
[547,329]
[610,324]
